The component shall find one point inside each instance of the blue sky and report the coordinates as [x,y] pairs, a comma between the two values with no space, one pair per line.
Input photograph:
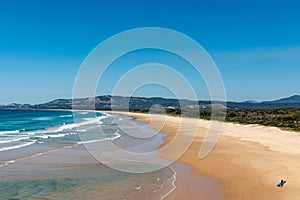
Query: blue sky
[255,44]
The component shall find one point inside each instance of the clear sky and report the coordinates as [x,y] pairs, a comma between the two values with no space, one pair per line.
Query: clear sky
[255,44]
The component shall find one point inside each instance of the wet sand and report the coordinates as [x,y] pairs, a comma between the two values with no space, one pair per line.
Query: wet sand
[248,160]
[191,186]
[73,173]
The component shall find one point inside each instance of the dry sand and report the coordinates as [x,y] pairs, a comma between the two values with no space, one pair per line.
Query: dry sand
[249,160]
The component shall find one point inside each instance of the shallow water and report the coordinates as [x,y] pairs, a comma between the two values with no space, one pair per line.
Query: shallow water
[85,183]
[57,166]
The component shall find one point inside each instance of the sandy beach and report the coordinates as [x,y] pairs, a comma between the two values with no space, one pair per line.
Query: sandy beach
[248,160]
[62,166]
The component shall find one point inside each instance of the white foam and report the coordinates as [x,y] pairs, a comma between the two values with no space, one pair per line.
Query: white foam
[35,155]
[9,132]
[100,140]
[64,127]
[17,146]
[13,140]
[83,113]
[88,119]
[55,135]
[43,118]
[173,179]
[52,131]
[7,163]
[75,125]
[50,136]
[63,116]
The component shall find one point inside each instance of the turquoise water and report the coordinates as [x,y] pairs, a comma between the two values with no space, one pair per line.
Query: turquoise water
[34,163]
[21,128]
[87,183]
[19,120]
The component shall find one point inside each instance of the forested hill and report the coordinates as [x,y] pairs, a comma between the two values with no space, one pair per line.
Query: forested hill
[108,102]
[284,113]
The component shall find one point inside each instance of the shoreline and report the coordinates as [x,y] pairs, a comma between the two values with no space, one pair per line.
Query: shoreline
[208,185]
[73,156]
[116,111]
[249,160]
[187,184]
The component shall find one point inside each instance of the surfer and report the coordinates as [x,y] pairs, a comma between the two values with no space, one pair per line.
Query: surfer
[282,182]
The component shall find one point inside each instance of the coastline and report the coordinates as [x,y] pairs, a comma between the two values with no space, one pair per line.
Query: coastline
[248,160]
[62,164]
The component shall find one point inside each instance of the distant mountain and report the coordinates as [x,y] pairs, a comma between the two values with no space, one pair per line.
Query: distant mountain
[289,102]
[291,99]
[251,101]
[108,102]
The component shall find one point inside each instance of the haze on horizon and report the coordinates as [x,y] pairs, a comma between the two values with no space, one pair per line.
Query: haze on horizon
[256,45]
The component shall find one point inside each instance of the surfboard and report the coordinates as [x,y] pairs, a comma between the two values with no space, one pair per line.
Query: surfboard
[281,184]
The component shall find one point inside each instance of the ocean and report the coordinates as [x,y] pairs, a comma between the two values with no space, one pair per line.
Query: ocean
[43,157]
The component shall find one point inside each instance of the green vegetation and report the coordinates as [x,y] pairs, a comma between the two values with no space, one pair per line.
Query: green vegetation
[283,113]
[283,118]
